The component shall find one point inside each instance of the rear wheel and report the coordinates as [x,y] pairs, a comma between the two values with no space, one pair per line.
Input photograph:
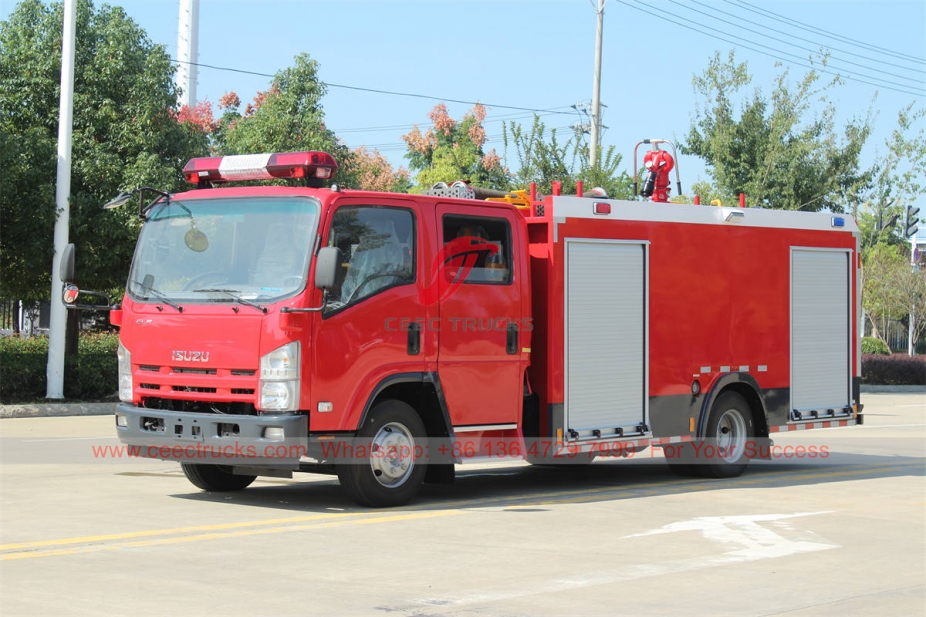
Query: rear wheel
[730,428]
[391,471]
[216,478]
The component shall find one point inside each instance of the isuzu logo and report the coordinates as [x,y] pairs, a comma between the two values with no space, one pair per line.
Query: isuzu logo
[189,356]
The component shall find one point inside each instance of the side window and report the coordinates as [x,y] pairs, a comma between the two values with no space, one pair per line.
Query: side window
[477,249]
[377,252]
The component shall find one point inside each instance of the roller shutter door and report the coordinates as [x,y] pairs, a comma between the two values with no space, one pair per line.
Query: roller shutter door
[820,326]
[605,336]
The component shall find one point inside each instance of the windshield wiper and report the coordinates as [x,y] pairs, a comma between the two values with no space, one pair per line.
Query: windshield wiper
[233,293]
[157,294]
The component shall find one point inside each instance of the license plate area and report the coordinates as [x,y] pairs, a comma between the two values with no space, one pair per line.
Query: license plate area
[186,429]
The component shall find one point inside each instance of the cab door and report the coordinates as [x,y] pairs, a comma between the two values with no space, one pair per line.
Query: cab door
[481,318]
[364,334]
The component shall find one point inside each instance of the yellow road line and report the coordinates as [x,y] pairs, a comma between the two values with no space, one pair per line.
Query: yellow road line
[165,532]
[217,536]
[318,521]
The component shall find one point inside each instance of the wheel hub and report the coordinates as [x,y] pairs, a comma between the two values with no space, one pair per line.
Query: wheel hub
[392,454]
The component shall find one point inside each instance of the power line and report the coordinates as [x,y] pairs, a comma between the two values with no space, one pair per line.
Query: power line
[838,37]
[772,55]
[800,39]
[376,91]
[881,82]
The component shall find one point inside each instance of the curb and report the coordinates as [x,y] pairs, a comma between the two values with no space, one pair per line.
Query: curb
[866,389]
[43,410]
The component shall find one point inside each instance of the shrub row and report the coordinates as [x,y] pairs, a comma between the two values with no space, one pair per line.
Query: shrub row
[894,370]
[93,374]
[90,376]
[874,345]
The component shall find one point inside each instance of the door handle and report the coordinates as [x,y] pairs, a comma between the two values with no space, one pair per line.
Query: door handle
[414,338]
[512,344]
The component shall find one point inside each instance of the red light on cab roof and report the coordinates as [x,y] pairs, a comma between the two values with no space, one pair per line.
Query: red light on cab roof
[602,208]
[218,169]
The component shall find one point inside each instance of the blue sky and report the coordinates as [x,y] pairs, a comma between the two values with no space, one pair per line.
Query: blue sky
[539,54]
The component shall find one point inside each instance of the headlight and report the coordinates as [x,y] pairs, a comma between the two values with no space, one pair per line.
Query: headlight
[125,373]
[279,379]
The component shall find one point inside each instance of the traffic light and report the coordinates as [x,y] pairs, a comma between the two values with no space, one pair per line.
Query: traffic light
[910,226]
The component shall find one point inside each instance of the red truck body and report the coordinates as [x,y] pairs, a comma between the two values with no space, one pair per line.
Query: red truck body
[455,328]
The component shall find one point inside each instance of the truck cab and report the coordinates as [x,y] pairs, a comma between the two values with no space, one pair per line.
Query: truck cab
[265,329]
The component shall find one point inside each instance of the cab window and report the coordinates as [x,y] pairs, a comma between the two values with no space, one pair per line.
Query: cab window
[478,249]
[377,247]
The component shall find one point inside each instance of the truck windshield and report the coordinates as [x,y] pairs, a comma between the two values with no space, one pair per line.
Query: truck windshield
[224,250]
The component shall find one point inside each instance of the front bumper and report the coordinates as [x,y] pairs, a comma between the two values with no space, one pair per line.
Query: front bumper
[218,439]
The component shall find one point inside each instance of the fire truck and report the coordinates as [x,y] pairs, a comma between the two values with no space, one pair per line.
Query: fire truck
[385,338]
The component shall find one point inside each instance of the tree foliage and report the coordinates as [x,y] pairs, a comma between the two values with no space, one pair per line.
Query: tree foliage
[124,136]
[375,173]
[892,288]
[286,117]
[544,159]
[453,150]
[775,149]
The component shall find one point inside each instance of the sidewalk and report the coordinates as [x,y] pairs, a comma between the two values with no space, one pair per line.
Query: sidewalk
[40,410]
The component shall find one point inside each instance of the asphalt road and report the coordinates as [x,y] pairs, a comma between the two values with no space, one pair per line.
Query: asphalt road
[841,535]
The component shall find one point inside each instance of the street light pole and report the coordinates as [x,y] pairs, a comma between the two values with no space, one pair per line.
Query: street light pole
[596,92]
[57,330]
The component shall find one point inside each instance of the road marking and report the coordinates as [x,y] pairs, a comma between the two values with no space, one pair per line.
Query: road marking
[26,550]
[757,542]
[754,542]
[231,534]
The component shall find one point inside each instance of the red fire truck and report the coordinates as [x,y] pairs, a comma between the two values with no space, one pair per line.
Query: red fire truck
[267,330]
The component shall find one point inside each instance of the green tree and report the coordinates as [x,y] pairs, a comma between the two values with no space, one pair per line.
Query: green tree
[899,178]
[375,173]
[287,117]
[453,151]
[544,159]
[125,135]
[776,150]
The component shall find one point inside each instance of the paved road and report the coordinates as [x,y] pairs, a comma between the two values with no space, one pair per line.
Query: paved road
[843,535]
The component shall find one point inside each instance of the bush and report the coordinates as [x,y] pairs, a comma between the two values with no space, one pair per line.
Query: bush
[873,345]
[90,376]
[894,370]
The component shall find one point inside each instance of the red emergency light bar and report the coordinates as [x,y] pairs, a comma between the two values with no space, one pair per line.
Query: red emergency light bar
[313,166]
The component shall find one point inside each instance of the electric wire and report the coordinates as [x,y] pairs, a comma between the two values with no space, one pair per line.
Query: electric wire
[772,55]
[839,37]
[378,91]
[799,39]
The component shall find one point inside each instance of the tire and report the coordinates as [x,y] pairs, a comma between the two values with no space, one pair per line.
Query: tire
[730,427]
[383,481]
[215,478]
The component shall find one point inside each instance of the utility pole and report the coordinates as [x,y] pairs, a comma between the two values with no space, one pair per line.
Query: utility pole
[57,330]
[910,229]
[596,92]
[188,51]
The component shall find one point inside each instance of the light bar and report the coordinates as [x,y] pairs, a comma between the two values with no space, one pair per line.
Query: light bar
[218,169]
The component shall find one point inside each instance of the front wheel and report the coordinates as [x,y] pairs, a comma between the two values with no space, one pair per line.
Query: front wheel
[216,478]
[391,468]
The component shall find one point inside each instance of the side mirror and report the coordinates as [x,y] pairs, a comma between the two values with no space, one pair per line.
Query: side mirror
[326,267]
[66,266]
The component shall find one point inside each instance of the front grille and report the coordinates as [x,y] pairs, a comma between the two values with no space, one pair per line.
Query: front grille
[193,389]
[194,371]
[242,390]
[166,404]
